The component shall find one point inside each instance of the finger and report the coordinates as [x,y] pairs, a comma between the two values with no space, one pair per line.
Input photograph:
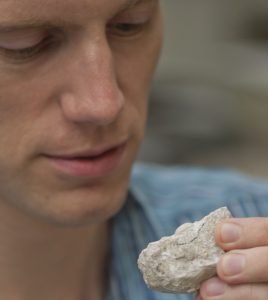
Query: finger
[244,266]
[215,289]
[242,233]
[198,297]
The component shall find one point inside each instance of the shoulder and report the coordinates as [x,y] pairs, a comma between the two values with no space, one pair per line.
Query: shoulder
[176,190]
[169,178]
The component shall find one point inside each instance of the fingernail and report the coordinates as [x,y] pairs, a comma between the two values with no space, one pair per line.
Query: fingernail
[214,287]
[230,232]
[233,264]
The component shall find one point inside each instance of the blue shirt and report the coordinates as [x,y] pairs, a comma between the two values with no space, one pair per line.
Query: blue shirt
[160,199]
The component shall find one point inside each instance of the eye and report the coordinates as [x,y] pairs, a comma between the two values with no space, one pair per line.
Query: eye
[27,52]
[125,28]
[134,20]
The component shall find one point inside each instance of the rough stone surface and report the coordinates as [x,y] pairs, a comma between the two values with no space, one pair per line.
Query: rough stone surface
[179,263]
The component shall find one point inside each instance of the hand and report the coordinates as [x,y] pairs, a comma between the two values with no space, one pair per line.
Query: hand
[243,270]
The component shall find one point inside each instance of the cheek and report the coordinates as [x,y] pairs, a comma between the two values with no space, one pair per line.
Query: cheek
[136,61]
[11,124]
[20,109]
[135,71]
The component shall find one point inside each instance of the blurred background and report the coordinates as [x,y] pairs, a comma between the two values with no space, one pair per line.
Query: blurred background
[209,102]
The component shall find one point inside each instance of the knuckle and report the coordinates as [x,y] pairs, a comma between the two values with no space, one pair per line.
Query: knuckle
[251,292]
[264,231]
[254,233]
[257,265]
[256,291]
[245,292]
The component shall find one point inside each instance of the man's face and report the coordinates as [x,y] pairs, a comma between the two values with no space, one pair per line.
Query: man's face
[74,80]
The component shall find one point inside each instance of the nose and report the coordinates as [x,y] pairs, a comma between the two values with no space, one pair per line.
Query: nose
[92,94]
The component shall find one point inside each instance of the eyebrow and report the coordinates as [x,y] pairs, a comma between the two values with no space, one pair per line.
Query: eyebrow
[33,23]
[131,3]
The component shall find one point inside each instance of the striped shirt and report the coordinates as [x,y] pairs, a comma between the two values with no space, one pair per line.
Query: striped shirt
[160,199]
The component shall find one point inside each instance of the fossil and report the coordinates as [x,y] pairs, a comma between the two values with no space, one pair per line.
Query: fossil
[181,262]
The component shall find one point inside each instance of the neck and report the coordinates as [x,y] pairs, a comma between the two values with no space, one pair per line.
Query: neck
[41,261]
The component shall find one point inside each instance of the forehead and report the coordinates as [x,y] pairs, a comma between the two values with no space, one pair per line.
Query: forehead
[70,9]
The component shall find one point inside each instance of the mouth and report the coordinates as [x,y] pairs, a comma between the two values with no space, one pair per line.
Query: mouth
[92,164]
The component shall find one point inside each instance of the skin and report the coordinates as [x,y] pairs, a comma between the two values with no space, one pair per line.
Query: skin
[90,88]
[250,242]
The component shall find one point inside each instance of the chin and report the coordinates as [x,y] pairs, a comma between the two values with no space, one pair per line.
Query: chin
[85,206]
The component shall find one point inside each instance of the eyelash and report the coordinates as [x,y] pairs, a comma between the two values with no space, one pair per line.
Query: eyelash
[126,29]
[29,52]
[118,29]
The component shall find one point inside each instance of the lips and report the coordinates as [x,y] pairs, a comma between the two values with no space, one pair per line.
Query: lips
[91,164]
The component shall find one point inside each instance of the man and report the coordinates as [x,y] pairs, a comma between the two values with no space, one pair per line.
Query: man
[74,79]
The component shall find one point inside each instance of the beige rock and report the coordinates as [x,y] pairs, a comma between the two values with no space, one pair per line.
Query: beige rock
[179,263]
